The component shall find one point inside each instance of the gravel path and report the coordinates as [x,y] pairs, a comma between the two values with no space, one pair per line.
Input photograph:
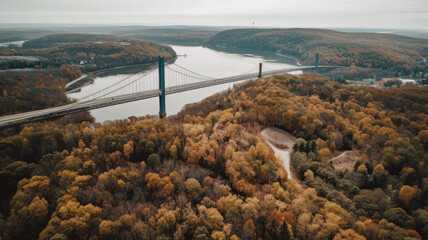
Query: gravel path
[281,143]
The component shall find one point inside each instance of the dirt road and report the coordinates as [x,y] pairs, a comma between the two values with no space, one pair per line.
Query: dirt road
[346,160]
[281,143]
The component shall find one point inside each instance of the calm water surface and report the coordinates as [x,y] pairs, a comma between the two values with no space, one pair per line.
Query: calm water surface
[199,59]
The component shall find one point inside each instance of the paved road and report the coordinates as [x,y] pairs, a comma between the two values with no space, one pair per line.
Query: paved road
[75,80]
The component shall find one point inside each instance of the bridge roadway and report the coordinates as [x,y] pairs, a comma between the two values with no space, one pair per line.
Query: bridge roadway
[20,118]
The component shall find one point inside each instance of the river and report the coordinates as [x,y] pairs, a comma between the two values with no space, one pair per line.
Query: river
[202,60]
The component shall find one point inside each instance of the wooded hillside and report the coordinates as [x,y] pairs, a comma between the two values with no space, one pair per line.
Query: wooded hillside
[370,50]
[206,174]
[93,52]
[59,39]
[33,90]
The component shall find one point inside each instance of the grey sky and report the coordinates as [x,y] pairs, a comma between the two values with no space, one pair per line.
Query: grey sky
[274,13]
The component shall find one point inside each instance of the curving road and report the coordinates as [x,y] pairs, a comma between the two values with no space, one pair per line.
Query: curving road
[275,136]
[75,80]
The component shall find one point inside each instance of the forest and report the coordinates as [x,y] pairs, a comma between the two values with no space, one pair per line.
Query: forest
[356,73]
[369,50]
[91,52]
[36,89]
[60,39]
[207,174]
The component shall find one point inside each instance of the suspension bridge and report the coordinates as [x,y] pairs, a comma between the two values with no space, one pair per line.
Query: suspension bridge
[149,83]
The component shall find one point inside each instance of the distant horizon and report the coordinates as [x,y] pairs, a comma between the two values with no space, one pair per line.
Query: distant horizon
[72,25]
[378,14]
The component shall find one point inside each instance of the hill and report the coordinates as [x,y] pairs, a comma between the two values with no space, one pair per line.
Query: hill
[60,39]
[93,52]
[19,34]
[181,35]
[370,50]
[207,173]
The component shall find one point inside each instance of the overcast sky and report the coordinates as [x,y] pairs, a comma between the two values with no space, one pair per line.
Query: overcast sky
[394,14]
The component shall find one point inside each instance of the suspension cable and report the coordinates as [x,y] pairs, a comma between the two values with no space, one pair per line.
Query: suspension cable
[193,72]
[203,79]
[116,83]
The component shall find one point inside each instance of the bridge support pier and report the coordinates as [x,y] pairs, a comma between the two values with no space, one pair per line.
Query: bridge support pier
[162,111]
[317,57]
[260,70]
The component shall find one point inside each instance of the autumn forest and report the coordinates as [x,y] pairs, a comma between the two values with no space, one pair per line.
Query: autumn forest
[207,173]
[358,154]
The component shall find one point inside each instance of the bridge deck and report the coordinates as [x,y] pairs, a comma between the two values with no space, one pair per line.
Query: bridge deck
[38,115]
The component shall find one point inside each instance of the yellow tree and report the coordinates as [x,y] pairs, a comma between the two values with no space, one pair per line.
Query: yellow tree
[210,217]
[407,194]
[348,234]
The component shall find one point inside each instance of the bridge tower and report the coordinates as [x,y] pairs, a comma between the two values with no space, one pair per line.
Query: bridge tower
[162,111]
[317,57]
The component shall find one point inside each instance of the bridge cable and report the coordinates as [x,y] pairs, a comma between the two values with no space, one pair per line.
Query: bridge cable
[204,76]
[77,102]
[117,82]
[121,89]
[184,74]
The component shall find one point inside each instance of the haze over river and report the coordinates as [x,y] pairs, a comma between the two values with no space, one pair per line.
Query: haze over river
[202,60]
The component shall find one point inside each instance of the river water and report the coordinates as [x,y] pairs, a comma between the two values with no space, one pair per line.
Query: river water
[202,60]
